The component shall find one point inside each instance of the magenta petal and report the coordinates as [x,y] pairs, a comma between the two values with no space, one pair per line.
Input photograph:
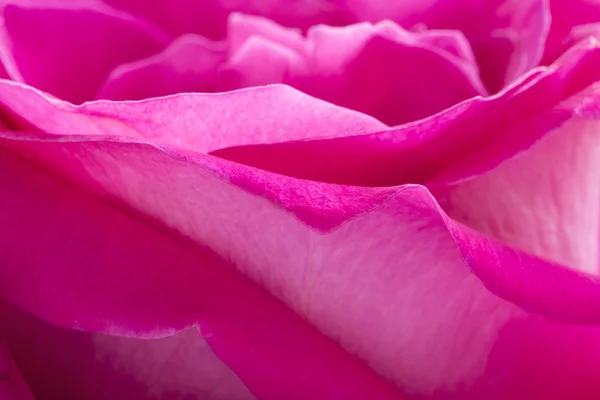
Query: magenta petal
[507,36]
[190,64]
[369,68]
[68,49]
[495,299]
[142,280]
[262,52]
[66,364]
[417,153]
[205,17]
[209,17]
[569,21]
[378,70]
[415,269]
[12,385]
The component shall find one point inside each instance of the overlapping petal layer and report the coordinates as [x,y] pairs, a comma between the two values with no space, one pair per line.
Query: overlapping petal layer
[507,36]
[368,270]
[70,364]
[265,244]
[370,68]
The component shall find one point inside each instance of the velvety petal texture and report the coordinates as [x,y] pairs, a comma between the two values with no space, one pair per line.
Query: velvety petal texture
[255,259]
[305,200]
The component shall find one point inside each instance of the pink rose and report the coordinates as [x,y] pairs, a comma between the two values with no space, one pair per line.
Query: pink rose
[348,199]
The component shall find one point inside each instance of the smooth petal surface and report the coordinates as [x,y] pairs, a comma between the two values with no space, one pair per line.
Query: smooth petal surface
[571,21]
[67,364]
[69,48]
[507,35]
[312,237]
[12,385]
[209,17]
[377,69]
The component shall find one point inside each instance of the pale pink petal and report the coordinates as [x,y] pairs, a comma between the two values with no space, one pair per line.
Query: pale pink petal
[256,115]
[12,385]
[69,48]
[569,21]
[260,62]
[65,364]
[507,36]
[241,27]
[262,52]
[190,64]
[545,201]
[419,152]
[209,17]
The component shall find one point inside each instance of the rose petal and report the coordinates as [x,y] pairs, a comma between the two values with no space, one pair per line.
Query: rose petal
[209,17]
[189,64]
[374,69]
[69,48]
[422,151]
[262,52]
[344,66]
[260,62]
[545,200]
[145,282]
[61,363]
[241,27]
[454,42]
[12,385]
[410,248]
[568,17]
[257,115]
[333,64]
[507,35]
[412,254]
